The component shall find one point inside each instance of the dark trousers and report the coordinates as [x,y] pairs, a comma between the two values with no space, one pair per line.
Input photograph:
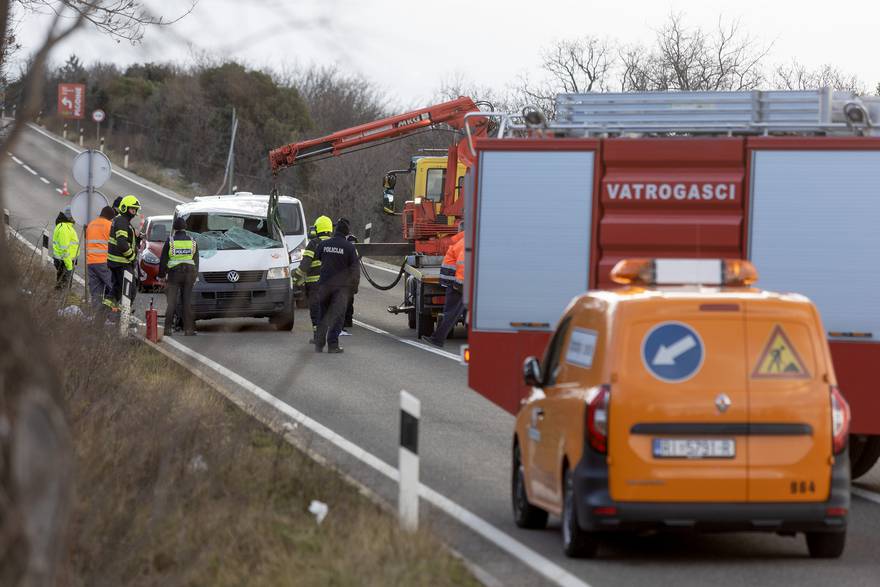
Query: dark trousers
[349,313]
[180,280]
[100,283]
[453,308]
[333,302]
[62,275]
[314,304]
[118,274]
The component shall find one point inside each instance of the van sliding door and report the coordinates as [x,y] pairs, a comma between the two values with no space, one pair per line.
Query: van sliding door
[532,237]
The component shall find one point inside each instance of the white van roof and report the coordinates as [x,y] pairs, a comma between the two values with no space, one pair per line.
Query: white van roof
[239,203]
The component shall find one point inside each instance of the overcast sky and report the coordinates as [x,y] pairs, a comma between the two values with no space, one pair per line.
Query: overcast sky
[407,47]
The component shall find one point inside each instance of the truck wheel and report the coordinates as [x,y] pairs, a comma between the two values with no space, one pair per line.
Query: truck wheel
[525,515]
[283,321]
[575,542]
[424,324]
[411,318]
[826,544]
[863,454]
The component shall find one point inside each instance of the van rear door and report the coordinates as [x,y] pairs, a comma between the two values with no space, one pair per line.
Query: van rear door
[679,402]
[789,403]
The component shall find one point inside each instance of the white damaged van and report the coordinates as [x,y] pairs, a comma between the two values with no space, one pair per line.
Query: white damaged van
[244,268]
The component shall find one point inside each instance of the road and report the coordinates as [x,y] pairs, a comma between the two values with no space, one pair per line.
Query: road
[465,440]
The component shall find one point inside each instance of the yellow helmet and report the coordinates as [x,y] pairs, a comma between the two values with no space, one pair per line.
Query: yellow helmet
[323,224]
[129,202]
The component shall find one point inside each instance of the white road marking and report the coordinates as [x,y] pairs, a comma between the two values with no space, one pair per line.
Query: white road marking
[16,159]
[418,345]
[381,268]
[26,168]
[119,173]
[539,563]
[44,180]
[59,190]
[865,494]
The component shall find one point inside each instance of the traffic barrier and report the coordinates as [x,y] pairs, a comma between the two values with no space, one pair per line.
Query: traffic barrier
[125,314]
[408,462]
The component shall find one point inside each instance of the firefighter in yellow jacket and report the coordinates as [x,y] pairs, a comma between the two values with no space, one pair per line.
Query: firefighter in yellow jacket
[65,247]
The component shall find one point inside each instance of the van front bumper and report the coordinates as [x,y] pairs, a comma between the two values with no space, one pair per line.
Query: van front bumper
[261,299]
[597,512]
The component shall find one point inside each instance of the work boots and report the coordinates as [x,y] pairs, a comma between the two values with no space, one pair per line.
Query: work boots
[334,348]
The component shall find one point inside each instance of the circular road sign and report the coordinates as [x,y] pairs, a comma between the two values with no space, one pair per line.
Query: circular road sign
[100,164]
[84,210]
[99,116]
[672,352]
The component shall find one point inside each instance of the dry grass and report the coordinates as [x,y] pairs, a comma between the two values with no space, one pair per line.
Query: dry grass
[175,486]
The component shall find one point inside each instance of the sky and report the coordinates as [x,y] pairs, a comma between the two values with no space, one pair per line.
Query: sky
[409,48]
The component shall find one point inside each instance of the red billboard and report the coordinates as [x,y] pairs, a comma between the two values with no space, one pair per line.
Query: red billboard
[72,100]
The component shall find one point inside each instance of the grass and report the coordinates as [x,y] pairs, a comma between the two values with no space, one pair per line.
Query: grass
[176,486]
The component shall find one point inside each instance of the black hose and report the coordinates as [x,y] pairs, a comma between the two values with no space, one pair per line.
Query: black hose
[376,285]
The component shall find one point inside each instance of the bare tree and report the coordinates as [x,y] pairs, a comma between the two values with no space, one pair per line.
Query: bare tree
[796,76]
[35,448]
[691,58]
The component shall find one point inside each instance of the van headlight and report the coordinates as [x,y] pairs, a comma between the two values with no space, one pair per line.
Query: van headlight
[278,273]
[296,255]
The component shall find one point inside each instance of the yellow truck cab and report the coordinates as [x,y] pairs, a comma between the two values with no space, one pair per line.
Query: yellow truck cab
[686,400]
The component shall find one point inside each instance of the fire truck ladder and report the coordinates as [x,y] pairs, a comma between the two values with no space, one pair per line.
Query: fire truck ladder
[821,111]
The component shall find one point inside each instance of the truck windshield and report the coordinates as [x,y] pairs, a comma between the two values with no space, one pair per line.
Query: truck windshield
[225,232]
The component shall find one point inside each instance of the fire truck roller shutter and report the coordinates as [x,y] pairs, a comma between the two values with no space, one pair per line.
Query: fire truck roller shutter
[814,230]
[531,257]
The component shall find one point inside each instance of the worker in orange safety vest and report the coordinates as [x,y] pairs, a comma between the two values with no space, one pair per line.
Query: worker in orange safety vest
[99,276]
[452,278]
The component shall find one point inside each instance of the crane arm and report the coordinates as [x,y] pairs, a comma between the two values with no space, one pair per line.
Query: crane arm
[451,113]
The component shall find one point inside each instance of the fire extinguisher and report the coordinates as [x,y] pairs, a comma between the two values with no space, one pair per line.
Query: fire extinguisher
[152,323]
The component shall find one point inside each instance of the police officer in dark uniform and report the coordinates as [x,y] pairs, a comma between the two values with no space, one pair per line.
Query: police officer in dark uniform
[180,261]
[339,273]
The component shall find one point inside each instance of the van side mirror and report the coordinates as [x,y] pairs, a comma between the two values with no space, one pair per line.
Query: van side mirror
[532,372]
[388,183]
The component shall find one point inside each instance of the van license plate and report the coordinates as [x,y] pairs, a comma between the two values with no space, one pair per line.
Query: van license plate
[694,448]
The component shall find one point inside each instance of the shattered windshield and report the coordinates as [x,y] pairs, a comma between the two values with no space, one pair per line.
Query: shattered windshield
[226,232]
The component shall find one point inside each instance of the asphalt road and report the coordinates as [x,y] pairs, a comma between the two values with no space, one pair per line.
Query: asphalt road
[465,440]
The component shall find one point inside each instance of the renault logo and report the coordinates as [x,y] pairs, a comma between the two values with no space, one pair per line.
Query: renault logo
[722,402]
[232,276]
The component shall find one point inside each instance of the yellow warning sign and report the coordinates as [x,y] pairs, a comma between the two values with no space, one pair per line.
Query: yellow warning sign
[780,360]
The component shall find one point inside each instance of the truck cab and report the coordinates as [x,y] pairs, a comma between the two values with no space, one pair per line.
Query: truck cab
[686,400]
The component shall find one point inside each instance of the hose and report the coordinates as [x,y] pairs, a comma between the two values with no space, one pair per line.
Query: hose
[376,285]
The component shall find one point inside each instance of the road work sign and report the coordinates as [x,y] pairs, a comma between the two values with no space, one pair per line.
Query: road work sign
[780,360]
[672,352]
[72,100]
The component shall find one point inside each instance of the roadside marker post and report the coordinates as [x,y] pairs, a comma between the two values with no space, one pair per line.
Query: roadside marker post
[125,159]
[81,131]
[408,462]
[64,133]
[44,246]
[368,229]
[5,218]
[102,145]
[125,314]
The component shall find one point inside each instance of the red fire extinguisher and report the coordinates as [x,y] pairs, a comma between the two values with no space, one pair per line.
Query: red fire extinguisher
[152,323]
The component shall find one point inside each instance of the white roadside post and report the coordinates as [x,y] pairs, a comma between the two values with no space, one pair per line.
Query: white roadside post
[5,221]
[81,132]
[125,314]
[408,462]
[368,229]
[125,159]
[44,246]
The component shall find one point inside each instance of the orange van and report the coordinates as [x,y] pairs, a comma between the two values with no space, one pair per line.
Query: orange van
[687,400]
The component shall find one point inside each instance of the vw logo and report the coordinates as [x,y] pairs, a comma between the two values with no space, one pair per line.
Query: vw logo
[232,276]
[722,402]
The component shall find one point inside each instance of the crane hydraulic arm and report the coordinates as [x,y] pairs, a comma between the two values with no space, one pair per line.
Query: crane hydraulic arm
[451,113]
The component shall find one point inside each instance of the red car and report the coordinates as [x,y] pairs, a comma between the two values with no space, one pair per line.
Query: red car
[156,230]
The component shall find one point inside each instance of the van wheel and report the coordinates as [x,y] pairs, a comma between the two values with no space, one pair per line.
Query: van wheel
[826,544]
[283,321]
[525,515]
[863,454]
[575,542]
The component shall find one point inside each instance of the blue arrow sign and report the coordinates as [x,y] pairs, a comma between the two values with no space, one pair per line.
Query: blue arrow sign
[672,352]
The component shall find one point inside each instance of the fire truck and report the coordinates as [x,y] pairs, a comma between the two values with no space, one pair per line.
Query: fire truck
[431,217]
[787,179]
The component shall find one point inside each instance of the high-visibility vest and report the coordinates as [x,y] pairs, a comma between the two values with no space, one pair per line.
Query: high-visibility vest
[65,244]
[458,250]
[181,252]
[97,241]
[309,267]
[447,269]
